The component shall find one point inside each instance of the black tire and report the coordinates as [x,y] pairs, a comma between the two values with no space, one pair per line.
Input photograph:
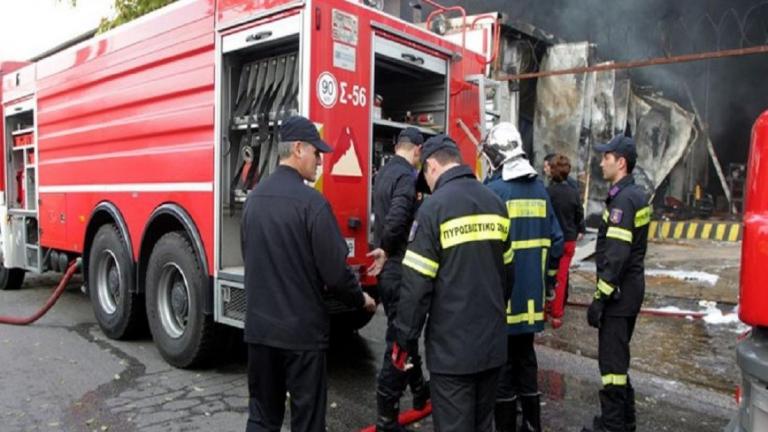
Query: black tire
[184,335]
[111,286]
[11,278]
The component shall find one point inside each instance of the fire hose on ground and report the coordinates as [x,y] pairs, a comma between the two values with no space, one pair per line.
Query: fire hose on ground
[406,417]
[71,270]
[643,311]
[654,312]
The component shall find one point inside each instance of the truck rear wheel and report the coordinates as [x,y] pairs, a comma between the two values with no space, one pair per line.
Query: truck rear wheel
[118,310]
[183,334]
[11,278]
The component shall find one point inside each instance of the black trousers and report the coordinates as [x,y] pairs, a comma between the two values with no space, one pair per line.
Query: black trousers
[392,381]
[462,403]
[519,376]
[272,372]
[617,397]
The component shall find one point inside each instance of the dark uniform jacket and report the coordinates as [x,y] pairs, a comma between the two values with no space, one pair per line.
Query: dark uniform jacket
[621,244]
[537,241]
[293,251]
[394,202]
[570,213]
[456,270]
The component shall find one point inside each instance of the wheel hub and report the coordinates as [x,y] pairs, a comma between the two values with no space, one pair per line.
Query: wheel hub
[108,282]
[173,300]
[179,300]
[113,283]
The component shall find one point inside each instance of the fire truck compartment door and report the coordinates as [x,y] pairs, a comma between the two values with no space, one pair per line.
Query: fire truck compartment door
[268,32]
[410,56]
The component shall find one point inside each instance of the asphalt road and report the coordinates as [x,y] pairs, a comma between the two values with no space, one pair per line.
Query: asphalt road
[62,374]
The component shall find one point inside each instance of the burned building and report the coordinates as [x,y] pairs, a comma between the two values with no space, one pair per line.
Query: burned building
[690,119]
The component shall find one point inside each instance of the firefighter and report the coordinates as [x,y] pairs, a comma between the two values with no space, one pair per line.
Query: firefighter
[292,251]
[457,269]
[394,205]
[537,241]
[621,244]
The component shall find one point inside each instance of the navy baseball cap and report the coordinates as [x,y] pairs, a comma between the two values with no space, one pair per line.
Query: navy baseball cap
[621,145]
[435,143]
[298,128]
[412,135]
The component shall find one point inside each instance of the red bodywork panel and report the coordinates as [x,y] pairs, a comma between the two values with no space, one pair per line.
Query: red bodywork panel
[133,107]
[128,117]
[753,286]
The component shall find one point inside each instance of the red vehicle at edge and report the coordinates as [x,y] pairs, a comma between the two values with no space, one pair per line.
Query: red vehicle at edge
[752,352]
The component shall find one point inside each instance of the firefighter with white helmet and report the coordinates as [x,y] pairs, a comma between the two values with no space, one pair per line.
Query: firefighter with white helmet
[537,241]
[501,144]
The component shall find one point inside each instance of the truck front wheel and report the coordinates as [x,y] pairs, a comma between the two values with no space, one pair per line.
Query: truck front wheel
[11,278]
[183,334]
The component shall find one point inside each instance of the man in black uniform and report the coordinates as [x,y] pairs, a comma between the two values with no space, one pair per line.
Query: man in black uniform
[292,251]
[458,270]
[621,244]
[394,205]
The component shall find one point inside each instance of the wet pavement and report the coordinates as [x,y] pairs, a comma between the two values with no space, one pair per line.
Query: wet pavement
[681,349]
[63,374]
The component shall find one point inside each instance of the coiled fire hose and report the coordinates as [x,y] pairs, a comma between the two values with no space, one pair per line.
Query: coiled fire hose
[74,266]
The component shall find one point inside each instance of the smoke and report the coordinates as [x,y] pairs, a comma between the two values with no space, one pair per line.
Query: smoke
[729,94]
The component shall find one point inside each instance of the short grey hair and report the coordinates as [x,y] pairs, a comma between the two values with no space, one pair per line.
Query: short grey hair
[284,149]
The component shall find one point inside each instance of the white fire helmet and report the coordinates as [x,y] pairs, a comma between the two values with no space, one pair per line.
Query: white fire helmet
[503,143]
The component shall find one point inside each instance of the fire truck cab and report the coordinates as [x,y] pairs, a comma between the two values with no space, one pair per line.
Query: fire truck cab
[136,149]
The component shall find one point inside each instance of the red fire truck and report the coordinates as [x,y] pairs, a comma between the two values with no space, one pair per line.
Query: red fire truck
[135,149]
[752,352]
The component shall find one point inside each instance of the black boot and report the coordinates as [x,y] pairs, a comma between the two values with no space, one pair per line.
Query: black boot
[505,414]
[388,411]
[612,400]
[419,388]
[531,413]
[630,420]
[597,426]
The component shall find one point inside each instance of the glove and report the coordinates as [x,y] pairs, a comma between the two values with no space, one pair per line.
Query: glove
[400,358]
[595,312]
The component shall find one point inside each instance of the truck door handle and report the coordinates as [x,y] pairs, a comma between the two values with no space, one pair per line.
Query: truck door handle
[413,58]
[258,36]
